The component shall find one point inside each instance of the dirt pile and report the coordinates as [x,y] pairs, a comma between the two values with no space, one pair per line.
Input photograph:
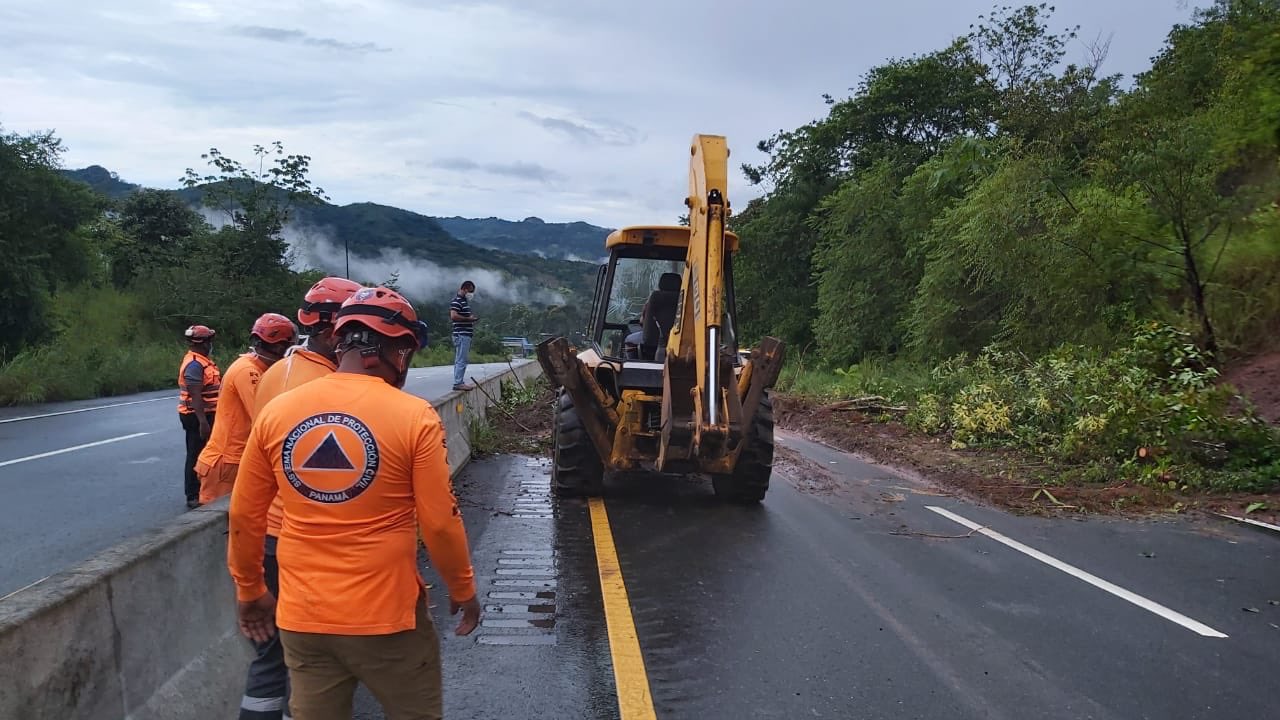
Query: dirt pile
[1258,379]
[520,424]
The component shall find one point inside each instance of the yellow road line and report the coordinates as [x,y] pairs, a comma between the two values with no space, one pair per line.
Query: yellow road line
[634,700]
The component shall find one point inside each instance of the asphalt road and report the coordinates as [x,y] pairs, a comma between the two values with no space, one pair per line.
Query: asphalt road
[848,595]
[79,477]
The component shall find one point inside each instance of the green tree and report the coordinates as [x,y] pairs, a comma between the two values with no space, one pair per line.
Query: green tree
[40,216]
[157,227]
[1189,143]
[257,201]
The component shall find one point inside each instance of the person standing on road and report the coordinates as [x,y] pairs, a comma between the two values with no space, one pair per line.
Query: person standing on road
[357,461]
[464,324]
[198,384]
[266,693]
[272,334]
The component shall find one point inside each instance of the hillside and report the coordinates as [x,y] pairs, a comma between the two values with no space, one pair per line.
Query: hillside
[370,227]
[531,236]
[391,239]
[103,181]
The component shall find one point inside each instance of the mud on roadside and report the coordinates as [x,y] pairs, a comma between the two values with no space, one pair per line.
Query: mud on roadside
[521,423]
[1001,477]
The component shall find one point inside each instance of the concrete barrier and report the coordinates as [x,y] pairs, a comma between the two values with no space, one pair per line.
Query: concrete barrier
[147,630]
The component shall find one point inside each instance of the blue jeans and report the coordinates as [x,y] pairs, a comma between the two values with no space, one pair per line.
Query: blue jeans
[266,692]
[461,347]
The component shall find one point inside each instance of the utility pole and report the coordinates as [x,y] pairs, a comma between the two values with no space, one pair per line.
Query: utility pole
[346,255]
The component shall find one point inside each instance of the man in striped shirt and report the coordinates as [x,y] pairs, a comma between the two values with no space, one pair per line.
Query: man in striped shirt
[464,323]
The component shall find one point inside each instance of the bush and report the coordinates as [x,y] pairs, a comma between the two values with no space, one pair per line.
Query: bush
[1153,407]
[63,371]
[106,345]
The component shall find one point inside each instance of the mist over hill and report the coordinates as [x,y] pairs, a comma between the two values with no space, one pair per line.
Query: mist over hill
[529,261]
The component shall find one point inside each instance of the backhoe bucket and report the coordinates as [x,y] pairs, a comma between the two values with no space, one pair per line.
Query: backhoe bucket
[595,409]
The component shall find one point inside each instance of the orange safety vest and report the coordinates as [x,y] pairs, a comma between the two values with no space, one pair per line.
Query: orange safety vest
[212,383]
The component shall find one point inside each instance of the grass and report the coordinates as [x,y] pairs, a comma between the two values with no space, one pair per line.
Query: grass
[59,372]
[66,370]
[437,355]
[897,380]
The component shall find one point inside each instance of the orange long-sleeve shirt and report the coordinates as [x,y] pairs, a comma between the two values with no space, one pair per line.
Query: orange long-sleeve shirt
[299,367]
[230,432]
[353,458]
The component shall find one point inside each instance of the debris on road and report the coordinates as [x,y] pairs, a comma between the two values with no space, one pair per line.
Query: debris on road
[1000,476]
[518,423]
[912,533]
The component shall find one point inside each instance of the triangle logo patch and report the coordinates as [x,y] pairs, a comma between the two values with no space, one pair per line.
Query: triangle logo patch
[328,456]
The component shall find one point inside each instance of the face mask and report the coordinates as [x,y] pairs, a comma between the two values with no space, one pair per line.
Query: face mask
[470,295]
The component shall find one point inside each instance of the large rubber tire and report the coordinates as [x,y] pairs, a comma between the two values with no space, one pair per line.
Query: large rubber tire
[576,470]
[750,478]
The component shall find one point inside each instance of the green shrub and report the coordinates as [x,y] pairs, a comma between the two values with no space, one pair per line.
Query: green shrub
[1155,398]
[72,371]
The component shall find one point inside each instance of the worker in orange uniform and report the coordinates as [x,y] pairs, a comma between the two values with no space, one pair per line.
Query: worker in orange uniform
[266,692]
[356,459]
[271,335]
[198,384]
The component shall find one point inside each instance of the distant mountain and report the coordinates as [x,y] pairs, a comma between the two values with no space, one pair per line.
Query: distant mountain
[368,230]
[531,236]
[103,181]
[369,226]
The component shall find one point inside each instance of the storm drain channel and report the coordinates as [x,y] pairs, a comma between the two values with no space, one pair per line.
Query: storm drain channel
[520,607]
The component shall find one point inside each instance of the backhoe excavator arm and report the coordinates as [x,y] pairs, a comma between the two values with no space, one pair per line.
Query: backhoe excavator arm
[694,412]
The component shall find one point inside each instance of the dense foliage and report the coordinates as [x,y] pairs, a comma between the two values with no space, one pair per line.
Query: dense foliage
[994,200]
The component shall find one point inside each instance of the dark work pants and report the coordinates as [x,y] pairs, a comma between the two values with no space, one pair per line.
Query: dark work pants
[266,689]
[195,443]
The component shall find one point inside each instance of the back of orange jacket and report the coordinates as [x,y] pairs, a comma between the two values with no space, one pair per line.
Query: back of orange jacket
[236,397]
[353,458]
[299,367]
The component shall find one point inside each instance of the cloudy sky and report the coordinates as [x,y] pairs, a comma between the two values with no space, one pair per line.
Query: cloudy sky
[564,109]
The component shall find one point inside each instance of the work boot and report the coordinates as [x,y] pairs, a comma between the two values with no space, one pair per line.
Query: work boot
[193,504]
[464,386]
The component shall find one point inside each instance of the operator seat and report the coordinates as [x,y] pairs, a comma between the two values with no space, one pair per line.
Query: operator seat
[663,303]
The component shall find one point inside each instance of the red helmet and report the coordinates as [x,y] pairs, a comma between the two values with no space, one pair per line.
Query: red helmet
[383,311]
[198,333]
[274,328]
[324,299]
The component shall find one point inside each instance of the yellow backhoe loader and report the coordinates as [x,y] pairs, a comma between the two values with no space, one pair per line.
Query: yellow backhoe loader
[663,386]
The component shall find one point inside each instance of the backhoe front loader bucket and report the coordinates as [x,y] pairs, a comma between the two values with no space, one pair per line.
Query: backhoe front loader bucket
[595,408]
[766,365]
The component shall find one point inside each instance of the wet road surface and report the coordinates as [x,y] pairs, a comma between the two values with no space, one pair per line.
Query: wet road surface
[853,593]
[541,650]
[79,477]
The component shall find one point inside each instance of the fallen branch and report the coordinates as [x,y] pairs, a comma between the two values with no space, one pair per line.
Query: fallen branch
[514,375]
[870,403]
[933,535]
[503,410]
[874,408]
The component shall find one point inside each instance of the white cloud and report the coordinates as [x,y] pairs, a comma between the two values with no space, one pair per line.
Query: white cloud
[419,280]
[564,109]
